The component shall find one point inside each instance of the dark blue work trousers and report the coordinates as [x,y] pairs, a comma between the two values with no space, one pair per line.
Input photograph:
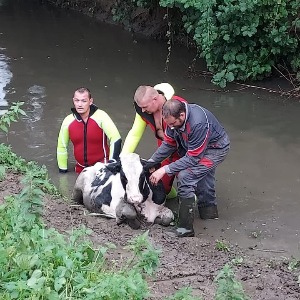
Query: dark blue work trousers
[200,180]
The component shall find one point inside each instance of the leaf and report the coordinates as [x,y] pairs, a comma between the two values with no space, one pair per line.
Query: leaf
[59,282]
[36,281]
[229,76]
[22,112]
[90,253]
[4,128]
[226,37]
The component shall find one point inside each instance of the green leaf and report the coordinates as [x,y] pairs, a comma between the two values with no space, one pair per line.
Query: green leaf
[4,128]
[59,283]
[226,37]
[229,76]
[36,281]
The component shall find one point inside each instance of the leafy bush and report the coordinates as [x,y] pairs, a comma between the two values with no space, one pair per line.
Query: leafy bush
[242,39]
[239,40]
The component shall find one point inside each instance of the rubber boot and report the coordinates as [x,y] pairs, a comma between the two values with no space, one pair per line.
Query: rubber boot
[208,211]
[186,215]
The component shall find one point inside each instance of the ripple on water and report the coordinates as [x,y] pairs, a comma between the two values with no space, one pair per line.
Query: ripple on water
[5,78]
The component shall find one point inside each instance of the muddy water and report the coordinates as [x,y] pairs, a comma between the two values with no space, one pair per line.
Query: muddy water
[45,54]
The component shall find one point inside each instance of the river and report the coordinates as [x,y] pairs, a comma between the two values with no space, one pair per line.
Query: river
[45,54]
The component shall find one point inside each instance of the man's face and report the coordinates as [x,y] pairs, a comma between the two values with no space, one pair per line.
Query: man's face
[175,123]
[149,104]
[82,102]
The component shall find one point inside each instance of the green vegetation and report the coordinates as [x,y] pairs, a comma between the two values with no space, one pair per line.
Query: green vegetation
[11,115]
[9,160]
[40,263]
[239,40]
[227,285]
[222,246]
[15,163]
[294,264]
[183,294]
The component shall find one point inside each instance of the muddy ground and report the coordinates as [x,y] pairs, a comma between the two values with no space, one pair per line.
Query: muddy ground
[192,262]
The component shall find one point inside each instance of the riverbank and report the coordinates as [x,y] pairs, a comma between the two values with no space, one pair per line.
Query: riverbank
[158,22]
[193,262]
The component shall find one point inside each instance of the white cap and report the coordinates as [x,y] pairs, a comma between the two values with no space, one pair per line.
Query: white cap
[166,88]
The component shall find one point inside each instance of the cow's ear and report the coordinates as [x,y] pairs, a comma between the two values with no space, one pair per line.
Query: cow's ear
[143,161]
[147,165]
[114,167]
[159,193]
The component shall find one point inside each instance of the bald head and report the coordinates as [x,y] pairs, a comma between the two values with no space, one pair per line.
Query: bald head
[144,94]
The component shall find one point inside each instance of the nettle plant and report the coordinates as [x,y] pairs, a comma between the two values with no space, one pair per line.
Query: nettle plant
[12,115]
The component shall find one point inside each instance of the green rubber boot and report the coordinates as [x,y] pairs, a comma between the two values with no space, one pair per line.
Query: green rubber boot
[186,215]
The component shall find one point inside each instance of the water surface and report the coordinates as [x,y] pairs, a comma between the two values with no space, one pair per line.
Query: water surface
[45,54]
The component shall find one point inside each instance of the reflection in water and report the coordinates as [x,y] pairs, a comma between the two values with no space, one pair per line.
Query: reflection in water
[5,78]
[35,94]
[54,51]
[3,2]
[35,113]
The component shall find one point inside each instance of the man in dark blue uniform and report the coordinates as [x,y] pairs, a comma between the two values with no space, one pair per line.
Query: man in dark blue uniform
[202,144]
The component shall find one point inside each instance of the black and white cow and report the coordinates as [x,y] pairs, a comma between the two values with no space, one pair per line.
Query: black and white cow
[122,190]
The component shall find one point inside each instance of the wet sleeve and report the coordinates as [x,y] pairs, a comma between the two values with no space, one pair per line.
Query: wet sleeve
[167,147]
[134,135]
[112,133]
[62,144]
[197,143]
[163,151]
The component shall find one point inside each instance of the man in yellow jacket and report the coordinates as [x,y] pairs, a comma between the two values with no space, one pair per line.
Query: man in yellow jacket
[148,103]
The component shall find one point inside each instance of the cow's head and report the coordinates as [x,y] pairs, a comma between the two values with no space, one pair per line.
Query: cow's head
[132,177]
[135,180]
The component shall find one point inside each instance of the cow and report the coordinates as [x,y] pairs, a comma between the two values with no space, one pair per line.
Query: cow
[122,190]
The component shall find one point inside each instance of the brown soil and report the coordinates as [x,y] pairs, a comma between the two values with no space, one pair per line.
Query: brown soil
[149,22]
[187,262]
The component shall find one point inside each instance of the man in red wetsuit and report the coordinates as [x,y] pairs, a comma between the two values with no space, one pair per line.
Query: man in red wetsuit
[94,135]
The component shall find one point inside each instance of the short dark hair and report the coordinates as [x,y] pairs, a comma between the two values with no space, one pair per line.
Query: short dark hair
[82,90]
[173,108]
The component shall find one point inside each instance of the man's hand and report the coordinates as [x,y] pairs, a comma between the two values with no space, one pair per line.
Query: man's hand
[157,176]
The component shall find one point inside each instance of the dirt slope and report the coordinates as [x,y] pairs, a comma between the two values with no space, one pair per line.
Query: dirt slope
[184,262]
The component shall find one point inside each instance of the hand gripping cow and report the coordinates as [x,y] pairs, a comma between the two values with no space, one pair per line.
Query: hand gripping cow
[122,190]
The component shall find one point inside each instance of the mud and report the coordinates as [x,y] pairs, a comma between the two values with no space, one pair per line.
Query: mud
[192,262]
[150,22]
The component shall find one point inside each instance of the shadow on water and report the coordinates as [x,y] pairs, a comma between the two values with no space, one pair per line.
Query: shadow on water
[45,54]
